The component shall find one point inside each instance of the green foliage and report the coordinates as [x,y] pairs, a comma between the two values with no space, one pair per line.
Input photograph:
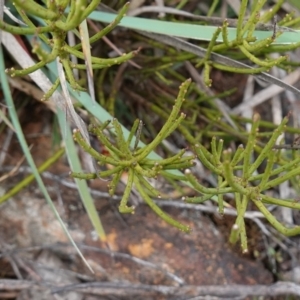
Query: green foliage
[246,42]
[237,173]
[123,159]
[248,173]
[54,33]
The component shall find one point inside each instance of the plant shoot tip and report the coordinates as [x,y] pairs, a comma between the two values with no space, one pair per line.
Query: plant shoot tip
[256,117]
[235,227]
[187,172]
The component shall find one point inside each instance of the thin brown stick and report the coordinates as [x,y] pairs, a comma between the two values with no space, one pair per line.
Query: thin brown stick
[231,291]
[9,295]
[130,290]
[13,285]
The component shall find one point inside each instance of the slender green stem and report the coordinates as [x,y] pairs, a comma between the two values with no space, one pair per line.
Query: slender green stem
[175,125]
[23,31]
[272,220]
[25,182]
[121,142]
[268,147]
[167,161]
[212,191]
[123,208]
[212,8]
[32,68]
[249,147]
[269,14]
[214,151]
[232,180]
[212,43]
[258,45]
[30,24]
[180,165]
[157,210]
[103,32]
[100,157]
[205,161]
[238,155]
[50,92]
[291,203]
[241,18]
[32,7]
[267,171]
[105,141]
[239,70]
[115,180]
[149,173]
[146,185]
[225,34]
[253,58]
[254,17]
[79,13]
[85,176]
[69,74]
[132,132]
[107,173]
[104,62]
[220,197]
[144,152]
[239,229]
